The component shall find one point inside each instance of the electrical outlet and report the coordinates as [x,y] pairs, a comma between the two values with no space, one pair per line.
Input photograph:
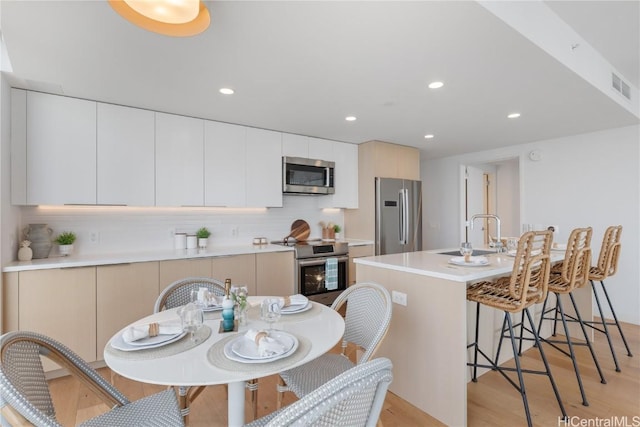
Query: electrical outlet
[94,237]
[399,297]
[235,231]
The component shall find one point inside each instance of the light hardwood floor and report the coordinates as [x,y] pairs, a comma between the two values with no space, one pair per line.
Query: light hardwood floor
[491,401]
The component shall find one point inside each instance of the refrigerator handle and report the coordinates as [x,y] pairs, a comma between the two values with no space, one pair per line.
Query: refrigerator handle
[404,216]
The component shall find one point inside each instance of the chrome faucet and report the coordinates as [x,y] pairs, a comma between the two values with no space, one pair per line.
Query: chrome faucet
[498,244]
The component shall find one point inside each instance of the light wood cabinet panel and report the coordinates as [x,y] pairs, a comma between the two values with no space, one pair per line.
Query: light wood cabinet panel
[126,156]
[377,159]
[241,269]
[124,293]
[173,270]
[59,127]
[61,304]
[224,159]
[10,298]
[357,252]
[264,168]
[275,274]
[179,160]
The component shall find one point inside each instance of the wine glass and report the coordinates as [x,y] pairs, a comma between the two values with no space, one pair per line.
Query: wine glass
[192,318]
[270,311]
[466,250]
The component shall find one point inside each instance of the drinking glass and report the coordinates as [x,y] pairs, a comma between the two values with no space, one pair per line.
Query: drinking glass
[512,244]
[466,250]
[270,311]
[192,318]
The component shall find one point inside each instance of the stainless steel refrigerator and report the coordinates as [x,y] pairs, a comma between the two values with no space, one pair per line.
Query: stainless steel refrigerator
[398,216]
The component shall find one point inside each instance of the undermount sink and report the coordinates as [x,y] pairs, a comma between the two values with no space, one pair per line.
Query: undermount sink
[475,252]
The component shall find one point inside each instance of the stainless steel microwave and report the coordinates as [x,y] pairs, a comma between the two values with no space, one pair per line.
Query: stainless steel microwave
[307,176]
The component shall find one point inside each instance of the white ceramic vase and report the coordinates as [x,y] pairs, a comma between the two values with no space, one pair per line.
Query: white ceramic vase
[65,250]
[203,242]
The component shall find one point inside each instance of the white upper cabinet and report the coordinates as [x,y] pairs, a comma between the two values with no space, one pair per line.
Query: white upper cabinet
[321,149]
[61,154]
[126,164]
[295,145]
[224,164]
[345,177]
[18,146]
[263,168]
[179,160]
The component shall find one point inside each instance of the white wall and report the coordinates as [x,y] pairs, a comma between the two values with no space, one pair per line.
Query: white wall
[584,180]
[121,229]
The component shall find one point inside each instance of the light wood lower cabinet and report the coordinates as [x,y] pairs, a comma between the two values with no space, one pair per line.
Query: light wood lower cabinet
[274,274]
[173,270]
[125,293]
[241,269]
[60,303]
[357,252]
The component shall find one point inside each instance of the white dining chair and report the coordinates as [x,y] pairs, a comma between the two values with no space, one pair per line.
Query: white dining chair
[367,320]
[354,398]
[26,398]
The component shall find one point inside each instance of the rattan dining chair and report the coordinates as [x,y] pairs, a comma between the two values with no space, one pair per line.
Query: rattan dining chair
[524,287]
[606,267]
[367,320]
[179,293]
[572,273]
[354,398]
[24,388]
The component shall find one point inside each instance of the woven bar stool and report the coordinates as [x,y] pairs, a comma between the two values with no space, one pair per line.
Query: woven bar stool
[607,266]
[526,286]
[570,274]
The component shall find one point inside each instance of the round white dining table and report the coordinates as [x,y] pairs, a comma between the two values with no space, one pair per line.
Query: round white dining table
[321,328]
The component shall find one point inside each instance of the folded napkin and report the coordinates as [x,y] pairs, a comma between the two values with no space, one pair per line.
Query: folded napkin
[480,260]
[297,299]
[267,346]
[135,333]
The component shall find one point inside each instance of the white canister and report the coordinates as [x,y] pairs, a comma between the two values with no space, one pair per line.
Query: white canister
[192,241]
[180,240]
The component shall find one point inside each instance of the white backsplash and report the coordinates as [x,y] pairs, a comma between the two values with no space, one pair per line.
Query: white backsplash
[105,230]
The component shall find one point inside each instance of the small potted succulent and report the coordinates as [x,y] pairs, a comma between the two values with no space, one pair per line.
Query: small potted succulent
[65,241]
[203,237]
[337,229]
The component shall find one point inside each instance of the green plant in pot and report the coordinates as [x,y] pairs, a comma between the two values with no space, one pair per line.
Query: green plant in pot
[337,229]
[65,241]
[203,237]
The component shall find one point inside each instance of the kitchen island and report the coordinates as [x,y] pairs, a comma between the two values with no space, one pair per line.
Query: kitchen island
[428,335]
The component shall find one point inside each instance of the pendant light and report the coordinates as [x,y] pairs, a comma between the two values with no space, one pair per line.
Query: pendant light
[178,18]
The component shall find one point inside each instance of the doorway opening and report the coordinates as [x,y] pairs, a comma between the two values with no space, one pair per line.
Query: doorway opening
[491,188]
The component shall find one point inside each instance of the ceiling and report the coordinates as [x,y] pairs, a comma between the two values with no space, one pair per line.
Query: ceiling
[303,66]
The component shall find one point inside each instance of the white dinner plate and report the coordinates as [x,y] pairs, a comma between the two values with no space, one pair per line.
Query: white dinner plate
[295,308]
[476,261]
[230,354]
[210,308]
[152,342]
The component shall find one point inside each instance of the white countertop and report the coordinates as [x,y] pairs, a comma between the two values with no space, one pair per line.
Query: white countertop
[432,264]
[79,260]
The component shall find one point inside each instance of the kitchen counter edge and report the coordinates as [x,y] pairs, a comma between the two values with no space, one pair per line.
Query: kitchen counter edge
[93,260]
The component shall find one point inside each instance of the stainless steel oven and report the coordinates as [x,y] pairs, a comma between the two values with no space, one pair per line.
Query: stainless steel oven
[312,259]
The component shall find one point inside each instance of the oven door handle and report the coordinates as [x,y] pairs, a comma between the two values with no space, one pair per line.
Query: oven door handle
[315,261]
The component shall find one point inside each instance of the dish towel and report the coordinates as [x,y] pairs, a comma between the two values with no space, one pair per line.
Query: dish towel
[331,274]
[267,346]
[135,333]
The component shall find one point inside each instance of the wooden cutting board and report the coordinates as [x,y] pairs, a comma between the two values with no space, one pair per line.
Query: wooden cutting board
[300,230]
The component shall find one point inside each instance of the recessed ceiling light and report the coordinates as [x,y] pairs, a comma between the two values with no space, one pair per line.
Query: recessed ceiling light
[226,91]
[513,115]
[429,136]
[435,85]
[350,118]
